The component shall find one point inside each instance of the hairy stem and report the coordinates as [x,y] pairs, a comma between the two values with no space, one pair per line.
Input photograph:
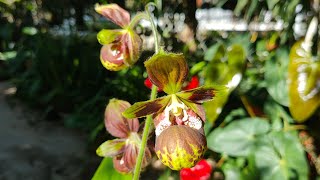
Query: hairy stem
[137,18]
[153,96]
[154,28]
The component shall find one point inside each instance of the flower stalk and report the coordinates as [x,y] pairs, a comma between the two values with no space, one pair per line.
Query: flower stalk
[153,96]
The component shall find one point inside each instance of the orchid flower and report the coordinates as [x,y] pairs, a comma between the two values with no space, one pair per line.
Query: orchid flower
[121,47]
[178,117]
[125,148]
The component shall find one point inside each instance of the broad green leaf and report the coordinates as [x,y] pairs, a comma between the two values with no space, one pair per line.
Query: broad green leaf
[167,71]
[239,138]
[225,69]
[277,114]
[107,36]
[111,148]
[276,76]
[106,171]
[284,158]
[231,171]
[141,109]
[303,81]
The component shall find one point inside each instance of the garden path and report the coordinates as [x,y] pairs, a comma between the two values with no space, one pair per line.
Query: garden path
[41,150]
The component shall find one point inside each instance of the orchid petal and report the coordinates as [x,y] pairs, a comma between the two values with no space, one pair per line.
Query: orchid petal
[167,71]
[145,108]
[201,94]
[111,148]
[115,123]
[197,108]
[115,13]
[118,164]
[131,48]
[131,154]
[107,36]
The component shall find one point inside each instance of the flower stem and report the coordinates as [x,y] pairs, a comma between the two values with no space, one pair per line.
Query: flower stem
[144,140]
[153,26]
[153,96]
[137,18]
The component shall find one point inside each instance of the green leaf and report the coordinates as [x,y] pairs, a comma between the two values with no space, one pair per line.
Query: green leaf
[167,71]
[276,76]
[197,67]
[271,3]
[111,148]
[106,171]
[225,69]
[215,52]
[239,7]
[284,158]
[304,80]
[239,138]
[141,109]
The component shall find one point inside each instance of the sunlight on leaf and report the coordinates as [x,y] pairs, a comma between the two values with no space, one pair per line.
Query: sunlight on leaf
[304,83]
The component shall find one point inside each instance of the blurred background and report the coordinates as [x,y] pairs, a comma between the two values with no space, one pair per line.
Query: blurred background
[51,75]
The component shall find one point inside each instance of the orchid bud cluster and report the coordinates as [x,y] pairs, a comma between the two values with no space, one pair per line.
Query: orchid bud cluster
[178,117]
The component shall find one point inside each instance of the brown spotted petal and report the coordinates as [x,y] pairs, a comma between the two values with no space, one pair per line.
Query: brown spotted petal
[115,13]
[167,71]
[115,123]
[180,147]
[145,108]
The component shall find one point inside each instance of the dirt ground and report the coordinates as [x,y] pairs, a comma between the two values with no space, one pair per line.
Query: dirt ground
[33,149]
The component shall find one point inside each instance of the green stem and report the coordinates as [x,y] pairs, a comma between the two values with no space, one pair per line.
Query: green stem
[153,96]
[145,135]
[137,18]
[154,28]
